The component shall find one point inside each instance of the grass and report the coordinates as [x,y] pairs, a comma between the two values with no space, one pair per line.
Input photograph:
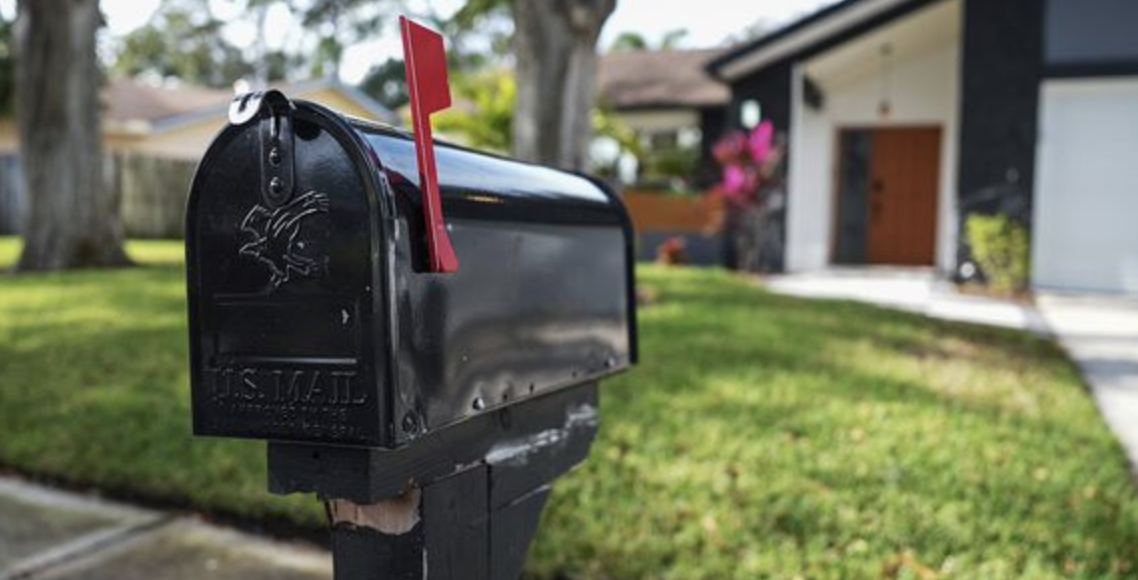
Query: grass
[762,436]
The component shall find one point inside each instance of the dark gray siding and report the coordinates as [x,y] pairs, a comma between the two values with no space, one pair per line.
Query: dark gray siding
[1002,67]
[1091,33]
[771,87]
[712,126]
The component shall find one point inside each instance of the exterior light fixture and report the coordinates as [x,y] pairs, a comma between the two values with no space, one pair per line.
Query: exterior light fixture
[885,105]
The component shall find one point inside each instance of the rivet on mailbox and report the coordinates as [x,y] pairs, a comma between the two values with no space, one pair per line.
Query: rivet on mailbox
[429,393]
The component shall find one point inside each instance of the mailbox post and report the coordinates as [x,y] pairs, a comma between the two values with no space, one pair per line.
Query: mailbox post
[429,400]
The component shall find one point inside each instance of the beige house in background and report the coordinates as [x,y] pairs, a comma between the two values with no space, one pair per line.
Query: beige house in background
[668,99]
[153,136]
[179,121]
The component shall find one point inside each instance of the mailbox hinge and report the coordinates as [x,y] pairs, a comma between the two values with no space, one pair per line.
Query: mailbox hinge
[274,112]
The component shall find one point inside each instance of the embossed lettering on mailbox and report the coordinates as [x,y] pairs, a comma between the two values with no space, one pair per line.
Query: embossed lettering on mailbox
[286,386]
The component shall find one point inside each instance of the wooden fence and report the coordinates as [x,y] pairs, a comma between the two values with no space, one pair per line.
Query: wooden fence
[152,191]
[655,211]
[153,195]
[659,217]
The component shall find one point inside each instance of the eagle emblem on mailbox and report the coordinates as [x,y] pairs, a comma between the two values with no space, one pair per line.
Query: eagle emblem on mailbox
[277,241]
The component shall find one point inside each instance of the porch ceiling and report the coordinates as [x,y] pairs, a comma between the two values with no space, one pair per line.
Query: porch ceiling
[929,28]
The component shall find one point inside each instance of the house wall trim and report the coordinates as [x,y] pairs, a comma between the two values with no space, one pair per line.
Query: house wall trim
[814,35]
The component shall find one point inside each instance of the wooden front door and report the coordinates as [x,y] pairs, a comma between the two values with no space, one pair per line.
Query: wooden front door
[903,180]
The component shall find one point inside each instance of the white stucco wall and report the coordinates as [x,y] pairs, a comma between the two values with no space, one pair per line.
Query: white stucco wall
[660,120]
[924,91]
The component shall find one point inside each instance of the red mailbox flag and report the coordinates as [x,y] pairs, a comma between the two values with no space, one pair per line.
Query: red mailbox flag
[424,61]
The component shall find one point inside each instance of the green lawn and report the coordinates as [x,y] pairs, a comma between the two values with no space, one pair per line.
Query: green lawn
[762,436]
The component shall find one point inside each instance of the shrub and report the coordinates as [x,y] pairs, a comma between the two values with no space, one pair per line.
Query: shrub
[1000,247]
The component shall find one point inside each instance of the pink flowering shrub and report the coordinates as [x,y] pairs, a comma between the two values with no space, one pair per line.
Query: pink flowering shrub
[751,189]
[748,160]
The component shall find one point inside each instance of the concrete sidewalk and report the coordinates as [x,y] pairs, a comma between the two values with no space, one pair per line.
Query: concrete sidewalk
[49,534]
[914,289]
[1100,333]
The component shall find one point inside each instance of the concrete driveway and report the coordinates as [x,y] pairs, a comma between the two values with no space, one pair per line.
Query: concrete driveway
[1101,334]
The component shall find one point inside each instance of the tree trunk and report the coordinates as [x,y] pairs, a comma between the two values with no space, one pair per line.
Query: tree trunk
[555,48]
[73,221]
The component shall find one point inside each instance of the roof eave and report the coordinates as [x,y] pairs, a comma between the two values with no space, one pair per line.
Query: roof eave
[662,105]
[798,37]
[369,104]
[365,100]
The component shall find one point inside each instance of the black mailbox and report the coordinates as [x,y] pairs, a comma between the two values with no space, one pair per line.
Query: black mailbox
[312,316]
[316,324]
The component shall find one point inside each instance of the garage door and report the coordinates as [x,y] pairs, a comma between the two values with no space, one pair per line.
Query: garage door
[1086,201]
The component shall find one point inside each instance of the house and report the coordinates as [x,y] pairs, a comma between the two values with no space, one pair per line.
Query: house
[154,134]
[906,116]
[667,98]
[180,122]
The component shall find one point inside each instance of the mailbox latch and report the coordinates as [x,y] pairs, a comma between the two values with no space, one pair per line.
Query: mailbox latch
[277,159]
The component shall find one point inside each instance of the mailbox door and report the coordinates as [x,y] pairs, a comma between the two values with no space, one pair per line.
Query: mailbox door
[283,287]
